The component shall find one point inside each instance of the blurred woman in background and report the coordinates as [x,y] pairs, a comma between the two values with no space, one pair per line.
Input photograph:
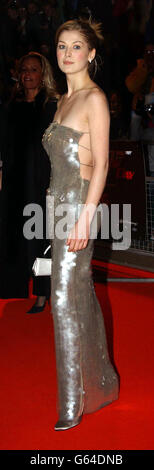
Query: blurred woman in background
[26,176]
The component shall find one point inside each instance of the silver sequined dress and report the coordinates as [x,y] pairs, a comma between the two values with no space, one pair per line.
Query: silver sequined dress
[86,379]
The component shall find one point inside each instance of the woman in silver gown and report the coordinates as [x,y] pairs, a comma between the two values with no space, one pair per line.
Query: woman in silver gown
[77,145]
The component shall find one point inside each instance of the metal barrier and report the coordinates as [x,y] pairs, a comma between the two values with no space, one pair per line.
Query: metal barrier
[147,244]
[129,181]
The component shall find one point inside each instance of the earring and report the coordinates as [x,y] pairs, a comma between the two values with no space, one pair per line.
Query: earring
[90,60]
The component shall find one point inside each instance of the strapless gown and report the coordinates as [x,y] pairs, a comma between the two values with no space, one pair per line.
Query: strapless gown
[86,378]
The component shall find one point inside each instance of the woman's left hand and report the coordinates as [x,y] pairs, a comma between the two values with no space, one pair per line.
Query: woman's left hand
[78,236]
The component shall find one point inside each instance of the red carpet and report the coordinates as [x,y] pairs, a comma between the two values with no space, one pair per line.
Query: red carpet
[28,376]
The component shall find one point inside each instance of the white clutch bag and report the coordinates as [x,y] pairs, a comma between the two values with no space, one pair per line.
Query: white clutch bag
[42,266]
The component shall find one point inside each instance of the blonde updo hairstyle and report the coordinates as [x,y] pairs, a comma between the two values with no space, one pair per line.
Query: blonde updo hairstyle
[47,83]
[92,33]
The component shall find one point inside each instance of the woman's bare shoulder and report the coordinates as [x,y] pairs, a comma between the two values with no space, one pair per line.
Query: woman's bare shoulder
[97,95]
[97,103]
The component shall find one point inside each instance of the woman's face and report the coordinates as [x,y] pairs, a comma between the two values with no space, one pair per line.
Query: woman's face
[31,74]
[73,52]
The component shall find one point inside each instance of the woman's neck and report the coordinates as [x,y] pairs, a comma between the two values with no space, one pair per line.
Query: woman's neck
[77,82]
[30,95]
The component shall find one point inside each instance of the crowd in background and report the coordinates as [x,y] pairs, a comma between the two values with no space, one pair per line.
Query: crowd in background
[128,26]
[27,25]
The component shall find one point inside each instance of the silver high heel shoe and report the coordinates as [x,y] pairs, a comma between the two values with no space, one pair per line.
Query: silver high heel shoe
[62,425]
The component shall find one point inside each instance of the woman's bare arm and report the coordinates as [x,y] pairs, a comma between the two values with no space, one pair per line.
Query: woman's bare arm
[99,124]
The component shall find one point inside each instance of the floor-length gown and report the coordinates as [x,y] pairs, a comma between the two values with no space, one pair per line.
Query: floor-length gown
[86,379]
